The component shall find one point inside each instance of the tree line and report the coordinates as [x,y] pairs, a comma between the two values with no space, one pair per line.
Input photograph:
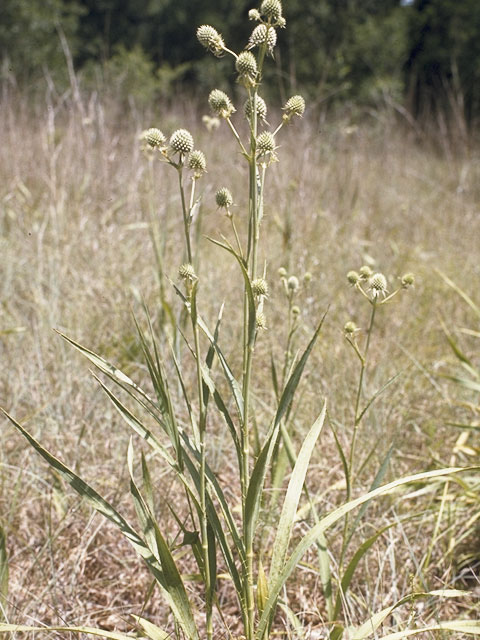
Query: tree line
[423,54]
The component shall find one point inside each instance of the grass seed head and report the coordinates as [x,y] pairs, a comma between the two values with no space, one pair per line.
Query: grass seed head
[181,141]
[246,66]
[211,39]
[197,163]
[220,104]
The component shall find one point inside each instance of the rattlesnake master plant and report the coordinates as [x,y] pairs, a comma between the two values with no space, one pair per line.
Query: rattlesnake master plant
[250,545]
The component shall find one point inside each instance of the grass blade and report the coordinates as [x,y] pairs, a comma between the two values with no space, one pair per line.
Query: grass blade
[112,635]
[3,572]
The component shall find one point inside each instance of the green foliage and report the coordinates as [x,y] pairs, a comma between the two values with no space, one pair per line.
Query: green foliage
[29,36]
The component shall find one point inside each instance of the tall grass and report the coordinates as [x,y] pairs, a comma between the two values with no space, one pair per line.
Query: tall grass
[90,258]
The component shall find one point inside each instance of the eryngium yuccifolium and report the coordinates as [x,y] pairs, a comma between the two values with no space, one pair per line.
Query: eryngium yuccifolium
[293,283]
[295,106]
[353,277]
[295,310]
[350,328]
[271,9]
[378,284]
[223,198]
[260,287]
[261,108]
[407,280]
[307,277]
[211,39]
[197,163]
[254,14]
[265,143]
[282,272]
[220,103]
[365,272]
[181,141]
[263,34]
[187,272]
[246,65]
[261,320]
[154,137]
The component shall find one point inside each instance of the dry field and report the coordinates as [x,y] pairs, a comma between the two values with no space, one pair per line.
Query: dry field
[76,231]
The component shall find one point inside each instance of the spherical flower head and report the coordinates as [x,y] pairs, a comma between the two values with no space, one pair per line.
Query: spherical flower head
[187,272]
[295,106]
[181,141]
[197,163]
[254,14]
[261,320]
[307,277]
[350,328]
[263,34]
[353,277]
[281,22]
[223,198]
[282,272]
[154,138]
[365,272]
[220,104]
[271,10]
[293,283]
[265,143]
[246,65]
[260,287]
[261,106]
[378,285]
[295,311]
[408,280]
[211,39]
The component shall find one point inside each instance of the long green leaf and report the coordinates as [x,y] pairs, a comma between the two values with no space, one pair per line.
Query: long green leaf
[326,522]
[101,505]
[469,627]
[152,631]
[373,623]
[292,498]
[172,582]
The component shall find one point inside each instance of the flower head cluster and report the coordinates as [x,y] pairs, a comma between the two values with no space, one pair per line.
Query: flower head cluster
[181,141]
[271,10]
[220,104]
[263,34]
[261,108]
[197,163]
[295,106]
[246,66]
[154,138]
[211,39]
[223,198]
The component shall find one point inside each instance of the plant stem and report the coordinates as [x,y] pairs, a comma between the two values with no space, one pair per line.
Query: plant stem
[186,215]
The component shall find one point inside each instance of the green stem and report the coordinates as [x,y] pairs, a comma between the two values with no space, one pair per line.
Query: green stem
[186,215]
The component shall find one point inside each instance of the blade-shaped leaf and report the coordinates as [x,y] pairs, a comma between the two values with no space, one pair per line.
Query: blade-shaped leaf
[326,522]
[3,571]
[112,635]
[292,498]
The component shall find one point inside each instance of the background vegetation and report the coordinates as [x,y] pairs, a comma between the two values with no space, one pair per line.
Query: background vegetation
[423,54]
[389,178]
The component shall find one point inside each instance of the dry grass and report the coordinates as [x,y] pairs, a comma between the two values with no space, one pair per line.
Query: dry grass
[74,238]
